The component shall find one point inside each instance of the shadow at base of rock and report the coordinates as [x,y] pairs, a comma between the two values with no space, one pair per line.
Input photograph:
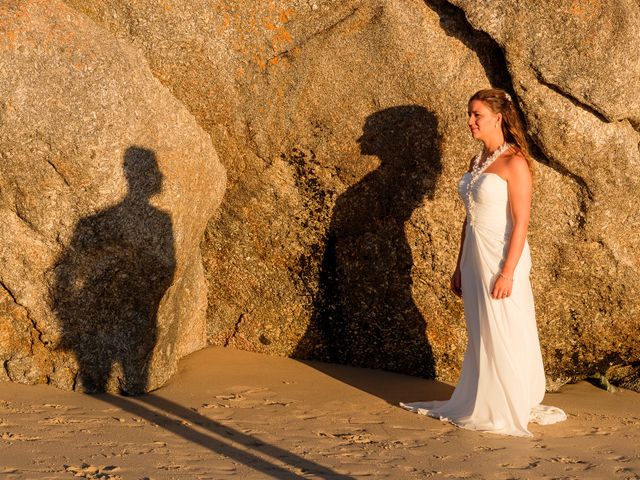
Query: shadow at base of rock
[218,438]
[398,387]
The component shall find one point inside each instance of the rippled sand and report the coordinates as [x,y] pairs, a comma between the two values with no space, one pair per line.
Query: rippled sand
[230,413]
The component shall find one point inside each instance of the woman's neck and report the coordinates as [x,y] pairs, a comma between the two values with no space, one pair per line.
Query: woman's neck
[492,145]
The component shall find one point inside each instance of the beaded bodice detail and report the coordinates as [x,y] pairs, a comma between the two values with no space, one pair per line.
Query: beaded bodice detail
[470,181]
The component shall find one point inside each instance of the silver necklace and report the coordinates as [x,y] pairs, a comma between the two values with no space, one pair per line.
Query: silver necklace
[477,169]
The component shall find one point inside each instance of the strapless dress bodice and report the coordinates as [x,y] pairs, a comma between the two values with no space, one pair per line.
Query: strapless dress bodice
[486,203]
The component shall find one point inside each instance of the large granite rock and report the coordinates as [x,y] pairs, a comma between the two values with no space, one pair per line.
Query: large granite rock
[343,150]
[343,129]
[106,185]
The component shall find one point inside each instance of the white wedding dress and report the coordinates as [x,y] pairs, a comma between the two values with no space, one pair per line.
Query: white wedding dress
[502,380]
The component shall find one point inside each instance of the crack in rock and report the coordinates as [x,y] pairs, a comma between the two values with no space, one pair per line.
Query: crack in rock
[29,317]
[583,106]
[236,330]
[55,169]
[322,31]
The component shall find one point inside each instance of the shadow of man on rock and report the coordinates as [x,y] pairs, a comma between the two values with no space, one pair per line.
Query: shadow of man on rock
[364,312]
[110,280]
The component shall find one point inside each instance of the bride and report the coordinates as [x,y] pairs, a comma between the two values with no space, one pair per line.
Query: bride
[502,380]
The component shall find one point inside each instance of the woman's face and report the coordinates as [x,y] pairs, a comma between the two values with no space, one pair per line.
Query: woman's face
[482,121]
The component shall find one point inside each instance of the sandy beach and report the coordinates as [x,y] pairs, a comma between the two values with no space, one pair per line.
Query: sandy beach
[230,413]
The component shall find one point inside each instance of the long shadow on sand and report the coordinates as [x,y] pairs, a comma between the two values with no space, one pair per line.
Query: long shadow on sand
[265,458]
[389,386]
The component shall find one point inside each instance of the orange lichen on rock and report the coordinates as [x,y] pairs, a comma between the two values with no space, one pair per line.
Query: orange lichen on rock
[281,36]
[259,62]
[285,15]
[585,9]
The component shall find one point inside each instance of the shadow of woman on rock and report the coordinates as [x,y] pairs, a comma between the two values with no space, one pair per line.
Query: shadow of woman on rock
[364,312]
[110,280]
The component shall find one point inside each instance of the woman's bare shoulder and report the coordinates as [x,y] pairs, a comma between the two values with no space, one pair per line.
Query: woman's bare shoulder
[517,165]
[516,159]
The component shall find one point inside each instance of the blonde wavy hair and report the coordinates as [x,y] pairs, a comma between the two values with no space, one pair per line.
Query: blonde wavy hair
[499,101]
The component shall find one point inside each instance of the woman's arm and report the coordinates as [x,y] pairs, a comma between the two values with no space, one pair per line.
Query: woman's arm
[464,228]
[519,186]
[456,278]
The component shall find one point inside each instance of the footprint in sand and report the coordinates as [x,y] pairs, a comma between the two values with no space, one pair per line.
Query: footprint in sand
[598,431]
[430,474]
[224,470]
[410,444]
[207,406]
[310,416]
[627,472]
[320,433]
[465,475]
[231,396]
[440,457]
[350,437]
[278,404]
[527,465]
[630,421]
[360,438]
[483,448]
[91,472]
[68,420]
[568,460]
[620,458]
[17,437]
[582,464]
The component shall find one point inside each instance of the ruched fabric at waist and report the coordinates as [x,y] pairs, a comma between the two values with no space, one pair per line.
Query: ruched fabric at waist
[491,229]
[491,245]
